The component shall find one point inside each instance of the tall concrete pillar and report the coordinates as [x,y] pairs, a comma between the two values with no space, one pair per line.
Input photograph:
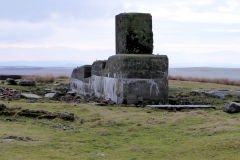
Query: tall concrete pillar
[134,33]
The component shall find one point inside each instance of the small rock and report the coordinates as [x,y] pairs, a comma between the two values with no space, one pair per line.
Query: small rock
[71,93]
[30,96]
[62,88]
[2,107]
[11,81]
[50,95]
[27,83]
[7,140]
[231,107]
[100,154]
[11,138]
[67,97]
[48,91]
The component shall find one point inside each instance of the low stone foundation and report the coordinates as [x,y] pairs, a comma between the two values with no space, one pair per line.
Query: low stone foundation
[126,79]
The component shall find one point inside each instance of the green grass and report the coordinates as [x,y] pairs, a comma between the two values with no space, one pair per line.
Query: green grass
[124,133]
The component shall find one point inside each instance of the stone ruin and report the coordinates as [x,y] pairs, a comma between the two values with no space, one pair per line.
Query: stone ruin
[134,75]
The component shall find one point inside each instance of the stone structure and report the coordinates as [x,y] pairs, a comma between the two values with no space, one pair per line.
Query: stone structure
[134,75]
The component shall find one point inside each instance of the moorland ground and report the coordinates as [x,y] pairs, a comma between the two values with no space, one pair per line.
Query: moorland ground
[124,133]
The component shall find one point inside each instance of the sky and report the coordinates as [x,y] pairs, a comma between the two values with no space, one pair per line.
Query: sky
[204,33]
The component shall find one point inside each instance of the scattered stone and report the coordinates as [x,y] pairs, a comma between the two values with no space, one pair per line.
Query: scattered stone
[27,83]
[175,89]
[48,91]
[11,81]
[51,95]
[61,88]
[214,93]
[71,93]
[99,104]
[2,107]
[231,107]
[30,96]
[66,116]
[7,140]
[60,125]
[67,97]
[6,93]
[179,107]
[12,138]
[100,154]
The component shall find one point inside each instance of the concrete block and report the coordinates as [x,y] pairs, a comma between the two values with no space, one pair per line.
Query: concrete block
[98,68]
[137,66]
[82,72]
[134,33]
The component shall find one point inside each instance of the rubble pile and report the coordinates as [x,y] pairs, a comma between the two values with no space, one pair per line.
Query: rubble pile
[6,93]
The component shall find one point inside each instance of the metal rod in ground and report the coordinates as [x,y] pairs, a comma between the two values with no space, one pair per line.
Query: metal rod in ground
[181,106]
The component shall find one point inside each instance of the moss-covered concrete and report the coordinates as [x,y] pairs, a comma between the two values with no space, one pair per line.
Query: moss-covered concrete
[134,33]
[137,66]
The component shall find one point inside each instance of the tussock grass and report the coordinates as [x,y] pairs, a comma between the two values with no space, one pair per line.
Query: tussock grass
[41,79]
[206,80]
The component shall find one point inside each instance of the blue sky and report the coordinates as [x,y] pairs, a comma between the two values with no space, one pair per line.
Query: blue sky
[71,32]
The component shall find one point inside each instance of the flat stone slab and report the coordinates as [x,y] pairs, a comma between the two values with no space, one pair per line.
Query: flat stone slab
[50,95]
[181,106]
[30,96]
[215,93]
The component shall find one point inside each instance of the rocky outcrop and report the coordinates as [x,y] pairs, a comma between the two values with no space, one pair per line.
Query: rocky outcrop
[11,81]
[40,114]
[26,83]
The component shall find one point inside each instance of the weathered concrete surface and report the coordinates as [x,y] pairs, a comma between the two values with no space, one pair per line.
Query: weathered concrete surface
[137,66]
[134,33]
[81,86]
[129,91]
[129,79]
[98,68]
[82,72]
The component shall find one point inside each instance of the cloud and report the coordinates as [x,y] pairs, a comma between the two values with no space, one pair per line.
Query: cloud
[84,30]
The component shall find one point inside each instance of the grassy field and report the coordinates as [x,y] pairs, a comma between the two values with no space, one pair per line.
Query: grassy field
[124,133]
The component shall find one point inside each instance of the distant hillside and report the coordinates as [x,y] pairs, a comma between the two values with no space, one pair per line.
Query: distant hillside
[56,71]
[230,73]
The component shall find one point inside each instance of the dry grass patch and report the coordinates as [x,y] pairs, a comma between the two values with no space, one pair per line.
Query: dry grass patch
[206,80]
[41,79]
